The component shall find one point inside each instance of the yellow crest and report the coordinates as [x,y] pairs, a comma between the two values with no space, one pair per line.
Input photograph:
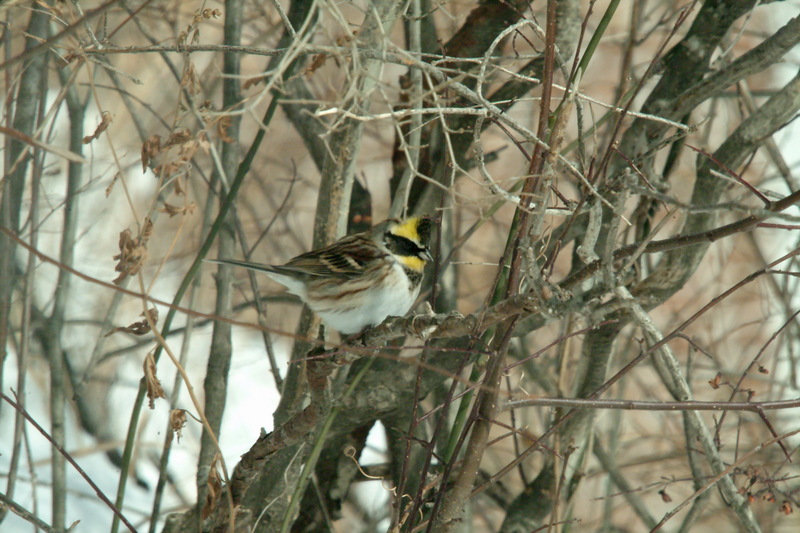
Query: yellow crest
[408,229]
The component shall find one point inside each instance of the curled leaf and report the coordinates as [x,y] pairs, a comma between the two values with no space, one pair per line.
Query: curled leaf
[214,492]
[172,157]
[211,13]
[222,129]
[177,421]
[132,252]
[138,328]
[111,185]
[253,81]
[105,120]
[154,389]
[173,210]
[150,149]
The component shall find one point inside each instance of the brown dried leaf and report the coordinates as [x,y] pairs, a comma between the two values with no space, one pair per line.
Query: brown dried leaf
[138,328]
[150,149]
[105,120]
[154,389]
[316,62]
[786,508]
[202,142]
[175,154]
[715,383]
[173,210]
[253,81]
[177,421]
[214,492]
[147,231]
[177,187]
[178,137]
[222,129]
[319,59]
[130,256]
[666,498]
[111,185]
[126,242]
[189,80]
[132,252]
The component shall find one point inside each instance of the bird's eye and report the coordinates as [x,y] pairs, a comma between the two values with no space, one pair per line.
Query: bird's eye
[402,245]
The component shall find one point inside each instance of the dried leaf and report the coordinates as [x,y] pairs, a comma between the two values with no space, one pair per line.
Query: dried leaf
[173,210]
[177,421]
[150,149]
[154,389]
[214,486]
[147,230]
[715,383]
[104,122]
[138,328]
[174,156]
[319,59]
[179,136]
[129,256]
[316,62]
[177,187]
[189,80]
[193,28]
[132,252]
[111,185]
[202,142]
[786,508]
[222,129]
[666,498]
[253,81]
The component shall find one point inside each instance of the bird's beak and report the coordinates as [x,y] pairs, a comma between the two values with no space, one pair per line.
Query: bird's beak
[426,254]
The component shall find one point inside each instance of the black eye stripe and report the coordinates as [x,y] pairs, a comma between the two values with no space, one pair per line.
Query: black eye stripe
[402,246]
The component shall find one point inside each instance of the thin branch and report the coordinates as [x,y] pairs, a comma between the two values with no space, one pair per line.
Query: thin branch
[640,405]
[71,461]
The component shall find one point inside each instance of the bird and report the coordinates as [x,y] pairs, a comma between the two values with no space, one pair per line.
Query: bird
[361,279]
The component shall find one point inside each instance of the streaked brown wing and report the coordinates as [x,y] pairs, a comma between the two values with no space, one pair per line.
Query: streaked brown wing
[346,258]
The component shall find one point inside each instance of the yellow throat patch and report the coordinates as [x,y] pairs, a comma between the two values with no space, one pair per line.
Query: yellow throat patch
[411,262]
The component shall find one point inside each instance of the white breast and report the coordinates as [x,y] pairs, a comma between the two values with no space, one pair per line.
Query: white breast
[395,298]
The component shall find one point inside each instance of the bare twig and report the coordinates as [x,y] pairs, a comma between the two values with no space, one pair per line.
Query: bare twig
[71,461]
